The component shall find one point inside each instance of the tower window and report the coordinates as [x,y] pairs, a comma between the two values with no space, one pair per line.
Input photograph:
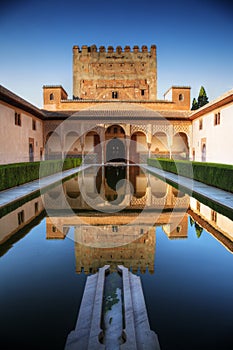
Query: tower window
[114,94]
[181,97]
[142,92]
[51,97]
[115,130]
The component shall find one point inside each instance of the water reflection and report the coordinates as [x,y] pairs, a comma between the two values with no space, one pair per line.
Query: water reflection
[119,238]
[125,187]
[218,225]
[125,235]
[158,229]
[18,219]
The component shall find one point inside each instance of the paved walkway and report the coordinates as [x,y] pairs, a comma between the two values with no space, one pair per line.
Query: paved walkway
[221,197]
[216,195]
[16,193]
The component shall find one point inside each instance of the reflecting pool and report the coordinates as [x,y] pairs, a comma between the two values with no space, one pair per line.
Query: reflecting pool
[116,215]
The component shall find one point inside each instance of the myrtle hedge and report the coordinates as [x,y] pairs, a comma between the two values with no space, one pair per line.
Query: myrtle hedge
[17,174]
[214,174]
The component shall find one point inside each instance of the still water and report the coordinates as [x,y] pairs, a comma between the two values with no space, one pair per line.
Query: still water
[181,249]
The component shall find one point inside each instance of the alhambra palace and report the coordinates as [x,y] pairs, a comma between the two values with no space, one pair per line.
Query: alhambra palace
[114,103]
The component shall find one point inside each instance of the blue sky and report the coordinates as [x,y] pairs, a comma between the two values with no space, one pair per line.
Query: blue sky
[194,41]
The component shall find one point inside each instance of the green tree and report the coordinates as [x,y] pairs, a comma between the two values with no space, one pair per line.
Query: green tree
[198,230]
[194,104]
[202,98]
[191,221]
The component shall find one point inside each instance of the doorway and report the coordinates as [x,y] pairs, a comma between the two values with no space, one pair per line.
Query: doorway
[115,151]
[31,150]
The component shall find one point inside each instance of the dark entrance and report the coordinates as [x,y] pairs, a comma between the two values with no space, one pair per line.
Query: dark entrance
[115,151]
[31,150]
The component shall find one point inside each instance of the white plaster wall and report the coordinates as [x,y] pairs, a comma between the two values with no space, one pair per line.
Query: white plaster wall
[168,95]
[9,223]
[14,139]
[219,138]
[223,224]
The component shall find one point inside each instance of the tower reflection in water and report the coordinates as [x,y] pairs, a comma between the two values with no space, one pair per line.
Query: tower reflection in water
[115,212]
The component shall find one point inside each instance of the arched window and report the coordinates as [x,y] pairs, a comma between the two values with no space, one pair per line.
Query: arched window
[51,97]
[181,97]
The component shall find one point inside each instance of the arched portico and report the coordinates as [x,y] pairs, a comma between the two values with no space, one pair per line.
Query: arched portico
[115,148]
[180,147]
[92,147]
[138,147]
[115,151]
[159,144]
[53,149]
[72,144]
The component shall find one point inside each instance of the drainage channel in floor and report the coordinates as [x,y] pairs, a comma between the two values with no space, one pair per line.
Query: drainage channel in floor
[112,313]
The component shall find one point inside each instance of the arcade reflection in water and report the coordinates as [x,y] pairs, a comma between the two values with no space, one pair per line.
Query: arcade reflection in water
[115,212]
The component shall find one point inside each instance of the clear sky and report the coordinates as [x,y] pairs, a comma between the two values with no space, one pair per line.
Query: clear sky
[194,41]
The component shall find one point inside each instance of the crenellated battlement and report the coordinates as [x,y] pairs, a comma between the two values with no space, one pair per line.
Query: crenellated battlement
[110,49]
[125,73]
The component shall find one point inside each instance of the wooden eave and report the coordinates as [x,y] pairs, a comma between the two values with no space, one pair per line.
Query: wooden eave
[212,106]
[13,100]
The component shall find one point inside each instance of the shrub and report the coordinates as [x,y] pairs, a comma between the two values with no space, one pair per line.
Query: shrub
[214,174]
[19,173]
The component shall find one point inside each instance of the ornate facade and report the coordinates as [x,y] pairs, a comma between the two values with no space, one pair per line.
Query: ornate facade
[115,98]
[114,115]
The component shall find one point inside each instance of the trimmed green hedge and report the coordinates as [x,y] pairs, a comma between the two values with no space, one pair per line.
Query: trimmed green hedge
[17,174]
[214,174]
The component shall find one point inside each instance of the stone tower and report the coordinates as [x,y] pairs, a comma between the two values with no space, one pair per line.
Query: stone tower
[124,75]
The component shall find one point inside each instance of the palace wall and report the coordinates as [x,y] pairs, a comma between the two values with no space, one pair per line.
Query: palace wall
[60,102]
[119,74]
[19,218]
[212,135]
[21,135]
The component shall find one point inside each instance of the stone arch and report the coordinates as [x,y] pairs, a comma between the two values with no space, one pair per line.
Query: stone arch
[115,143]
[72,144]
[138,147]
[115,151]
[53,149]
[114,131]
[180,146]
[138,179]
[159,144]
[92,146]
[72,188]
[159,188]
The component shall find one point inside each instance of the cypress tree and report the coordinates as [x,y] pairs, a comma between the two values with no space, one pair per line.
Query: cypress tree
[202,98]
[194,104]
